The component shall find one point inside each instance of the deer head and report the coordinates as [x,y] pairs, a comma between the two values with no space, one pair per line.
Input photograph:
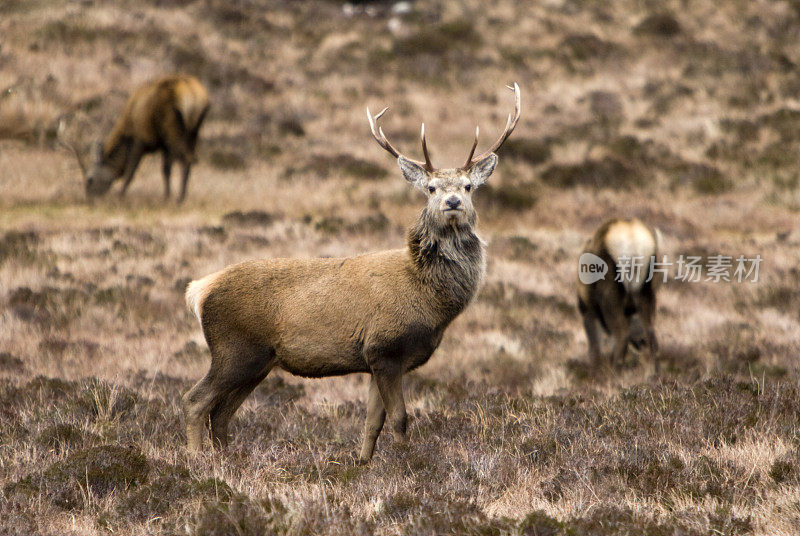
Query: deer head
[449,190]
[99,177]
[101,174]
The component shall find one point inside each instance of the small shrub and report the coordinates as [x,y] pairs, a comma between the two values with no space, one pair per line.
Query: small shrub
[345,165]
[249,218]
[227,159]
[61,437]
[743,130]
[703,178]
[191,353]
[527,150]
[100,470]
[329,225]
[540,524]
[50,305]
[18,244]
[781,297]
[163,494]
[659,25]
[786,469]
[276,392]
[584,47]
[786,122]
[608,172]
[372,223]
[291,124]
[516,197]
[613,520]
[67,32]
[11,363]
[439,39]
[241,516]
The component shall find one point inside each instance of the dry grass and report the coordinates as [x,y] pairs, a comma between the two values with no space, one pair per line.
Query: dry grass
[683,116]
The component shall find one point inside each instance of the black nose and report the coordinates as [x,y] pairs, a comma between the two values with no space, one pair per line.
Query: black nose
[453,202]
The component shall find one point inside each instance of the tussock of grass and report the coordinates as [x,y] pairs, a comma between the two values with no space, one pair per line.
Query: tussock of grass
[344,165]
[660,25]
[587,46]
[507,197]
[607,172]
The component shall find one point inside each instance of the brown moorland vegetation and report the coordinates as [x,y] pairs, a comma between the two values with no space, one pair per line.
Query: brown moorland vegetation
[683,114]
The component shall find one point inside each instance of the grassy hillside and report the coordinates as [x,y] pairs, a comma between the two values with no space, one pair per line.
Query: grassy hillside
[682,113]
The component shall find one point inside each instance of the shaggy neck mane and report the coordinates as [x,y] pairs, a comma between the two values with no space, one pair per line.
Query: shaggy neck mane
[449,260]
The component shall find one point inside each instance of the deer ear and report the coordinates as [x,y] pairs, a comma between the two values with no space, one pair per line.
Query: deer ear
[414,173]
[481,170]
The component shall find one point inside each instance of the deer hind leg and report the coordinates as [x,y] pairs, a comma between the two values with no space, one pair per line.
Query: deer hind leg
[590,322]
[649,317]
[197,405]
[231,378]
[376,415]
[225,408]
[166,171]
[186,167]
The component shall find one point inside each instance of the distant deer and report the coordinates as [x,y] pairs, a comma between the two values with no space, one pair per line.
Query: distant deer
[625,308]
[162,115]
[381,313]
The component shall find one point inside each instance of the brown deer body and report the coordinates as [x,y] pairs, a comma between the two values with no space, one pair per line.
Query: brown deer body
[162,115]
[624,308]
[382,313]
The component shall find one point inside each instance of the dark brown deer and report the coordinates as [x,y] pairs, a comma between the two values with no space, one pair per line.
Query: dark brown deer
[381,313]
[617,289]
[163,115]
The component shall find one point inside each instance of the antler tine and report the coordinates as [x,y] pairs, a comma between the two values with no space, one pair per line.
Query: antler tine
[428,164]
[69,146]
[511,123]
[474,146]
[380,137]
[377,133]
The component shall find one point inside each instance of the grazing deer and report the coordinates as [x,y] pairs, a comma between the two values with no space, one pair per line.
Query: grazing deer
[162,115]
[617,288]
[381,313]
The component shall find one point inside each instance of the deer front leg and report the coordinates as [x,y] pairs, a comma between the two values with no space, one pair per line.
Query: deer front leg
[390,386]
[376,415]
[134,157]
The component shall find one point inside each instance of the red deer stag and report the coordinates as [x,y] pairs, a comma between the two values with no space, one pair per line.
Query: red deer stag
[381,313]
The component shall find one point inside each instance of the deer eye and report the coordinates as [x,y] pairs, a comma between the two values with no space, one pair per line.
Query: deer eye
[468,187]
[431,189]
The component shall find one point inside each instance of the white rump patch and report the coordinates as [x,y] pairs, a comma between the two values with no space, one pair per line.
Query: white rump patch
[190,102]
[197,292]
[627,240]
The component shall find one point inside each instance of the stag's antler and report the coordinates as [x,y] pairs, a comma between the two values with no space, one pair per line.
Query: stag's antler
[380,137]
[69,146]
[513,118]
